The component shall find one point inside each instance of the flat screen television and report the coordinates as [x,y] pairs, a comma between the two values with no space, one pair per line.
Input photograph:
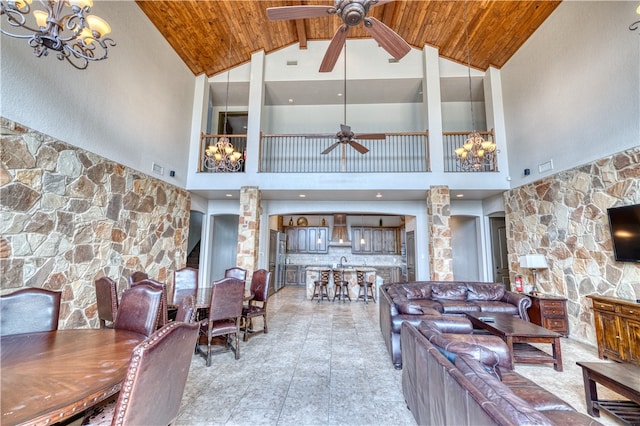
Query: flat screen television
[625,232]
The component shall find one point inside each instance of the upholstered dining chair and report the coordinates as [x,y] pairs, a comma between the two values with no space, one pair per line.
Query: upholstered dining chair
[138,310]
[137,276]
[187,309]
[321,285]
[185,283]
[155,380]
[107,301]
[236,272]
[225,310]
[257,305]
[163,310]
[29,310]
[366,288]
[340,286]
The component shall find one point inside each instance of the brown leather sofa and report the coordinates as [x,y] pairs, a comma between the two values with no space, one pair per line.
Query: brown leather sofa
[466,379]
[419,300]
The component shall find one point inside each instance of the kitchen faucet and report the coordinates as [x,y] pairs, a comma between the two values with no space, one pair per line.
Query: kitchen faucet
[345,261]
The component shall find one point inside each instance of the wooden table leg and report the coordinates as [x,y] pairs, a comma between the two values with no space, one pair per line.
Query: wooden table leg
[509,342]
[590,393]
[557,354]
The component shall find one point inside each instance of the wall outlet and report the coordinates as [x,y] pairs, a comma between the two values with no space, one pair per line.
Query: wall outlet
[157,169]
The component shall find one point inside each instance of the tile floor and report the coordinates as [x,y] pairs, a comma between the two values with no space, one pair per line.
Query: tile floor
[326,364]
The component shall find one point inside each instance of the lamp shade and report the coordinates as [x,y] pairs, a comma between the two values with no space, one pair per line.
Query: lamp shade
[533,261]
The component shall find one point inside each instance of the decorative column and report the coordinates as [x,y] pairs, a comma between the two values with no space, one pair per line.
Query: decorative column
[438,215]
[249,229]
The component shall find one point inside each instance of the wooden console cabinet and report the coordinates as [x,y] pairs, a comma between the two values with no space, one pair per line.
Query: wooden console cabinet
[617,323]
[549,312]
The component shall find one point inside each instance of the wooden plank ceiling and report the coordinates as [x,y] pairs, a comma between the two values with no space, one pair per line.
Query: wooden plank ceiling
[198,30]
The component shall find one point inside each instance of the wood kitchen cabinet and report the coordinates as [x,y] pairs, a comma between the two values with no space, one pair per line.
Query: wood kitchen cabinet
[295,275]
[376,240]
[307,239]
[617,323]
[549,312]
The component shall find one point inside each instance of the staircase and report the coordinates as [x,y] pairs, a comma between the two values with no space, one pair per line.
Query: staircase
[193,259]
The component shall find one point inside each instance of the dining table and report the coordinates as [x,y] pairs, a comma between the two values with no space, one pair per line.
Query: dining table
[48,377]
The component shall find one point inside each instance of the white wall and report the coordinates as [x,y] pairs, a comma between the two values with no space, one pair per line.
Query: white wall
[572,91]
[133,108]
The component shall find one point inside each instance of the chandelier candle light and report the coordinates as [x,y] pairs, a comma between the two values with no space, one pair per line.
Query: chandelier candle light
[476,152]
[63,26]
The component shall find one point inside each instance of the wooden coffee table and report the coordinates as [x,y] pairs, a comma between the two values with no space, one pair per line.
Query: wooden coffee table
[621,378]
[517,334]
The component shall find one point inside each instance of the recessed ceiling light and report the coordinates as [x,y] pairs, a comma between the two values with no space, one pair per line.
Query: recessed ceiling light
[301,195]
[460,195]
[339,94]
[378,195]
[228,195]
[290,100]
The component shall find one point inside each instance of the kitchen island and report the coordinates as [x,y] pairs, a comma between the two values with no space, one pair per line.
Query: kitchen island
[349,274]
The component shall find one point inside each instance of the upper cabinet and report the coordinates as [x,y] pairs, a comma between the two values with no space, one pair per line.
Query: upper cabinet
[307,239]
[368,240]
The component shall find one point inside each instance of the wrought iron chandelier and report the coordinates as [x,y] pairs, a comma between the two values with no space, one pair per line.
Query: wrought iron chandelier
[476,152]
[223,157]
[62,26]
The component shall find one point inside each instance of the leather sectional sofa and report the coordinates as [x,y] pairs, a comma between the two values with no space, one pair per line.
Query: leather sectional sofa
[466,379]
[448,300]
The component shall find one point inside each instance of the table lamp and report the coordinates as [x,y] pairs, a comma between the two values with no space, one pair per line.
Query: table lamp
[533,262]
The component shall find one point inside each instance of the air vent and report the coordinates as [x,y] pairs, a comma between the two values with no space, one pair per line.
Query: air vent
[292,63]
[157,169]
[393,61]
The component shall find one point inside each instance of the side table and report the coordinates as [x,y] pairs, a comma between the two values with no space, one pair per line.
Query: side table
[549,312]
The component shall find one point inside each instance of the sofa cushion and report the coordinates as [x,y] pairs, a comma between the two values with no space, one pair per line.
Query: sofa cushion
[496,306]
[405,306]
[509,403]
[493,343]
[482,291]
[538,397]
[428,305]
[417,292]
[458,306]
[449,292]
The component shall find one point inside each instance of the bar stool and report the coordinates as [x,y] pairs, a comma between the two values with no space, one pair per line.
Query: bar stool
[320,286]
[366,288]
[341,287]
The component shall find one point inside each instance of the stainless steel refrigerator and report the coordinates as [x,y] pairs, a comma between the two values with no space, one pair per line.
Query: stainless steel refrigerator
[277,255]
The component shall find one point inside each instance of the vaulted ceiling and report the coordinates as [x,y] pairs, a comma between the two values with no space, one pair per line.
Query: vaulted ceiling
[198,30]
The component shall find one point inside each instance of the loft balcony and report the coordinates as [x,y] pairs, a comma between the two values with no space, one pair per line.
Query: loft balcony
[302,153]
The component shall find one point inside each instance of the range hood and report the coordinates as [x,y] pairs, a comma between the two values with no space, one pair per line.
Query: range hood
[340,235]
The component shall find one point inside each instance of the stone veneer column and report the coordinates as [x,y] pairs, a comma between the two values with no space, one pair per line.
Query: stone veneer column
[438,215]
[249,229]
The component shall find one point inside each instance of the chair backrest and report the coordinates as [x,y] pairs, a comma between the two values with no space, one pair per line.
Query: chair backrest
[155,380]
[187,309]
[185,283]
[260,284]
[337,275]
[138,309]
[138,276]
[226,299]
[106,300]
[163,310]
[236,272]
[29,310]
[361,277]
[325,274]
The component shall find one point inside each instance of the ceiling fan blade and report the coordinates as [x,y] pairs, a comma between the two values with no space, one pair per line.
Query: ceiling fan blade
[361,149]
[331,148]
[298,12]
[388,39]
[334,49]
[370,136]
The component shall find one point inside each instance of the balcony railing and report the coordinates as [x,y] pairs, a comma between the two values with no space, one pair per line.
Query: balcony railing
[396,153]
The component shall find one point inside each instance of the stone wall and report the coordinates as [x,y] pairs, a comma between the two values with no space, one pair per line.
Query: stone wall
[68,216]
[564,217]
[249,229]
[440,244]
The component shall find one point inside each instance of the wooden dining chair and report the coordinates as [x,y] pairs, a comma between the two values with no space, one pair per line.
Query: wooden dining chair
[186,310]
[163,310]
[225,311]
[236,272]
[107,301]
[29,310]
[257,305]
[138,310]
[138,276]
[154,382]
